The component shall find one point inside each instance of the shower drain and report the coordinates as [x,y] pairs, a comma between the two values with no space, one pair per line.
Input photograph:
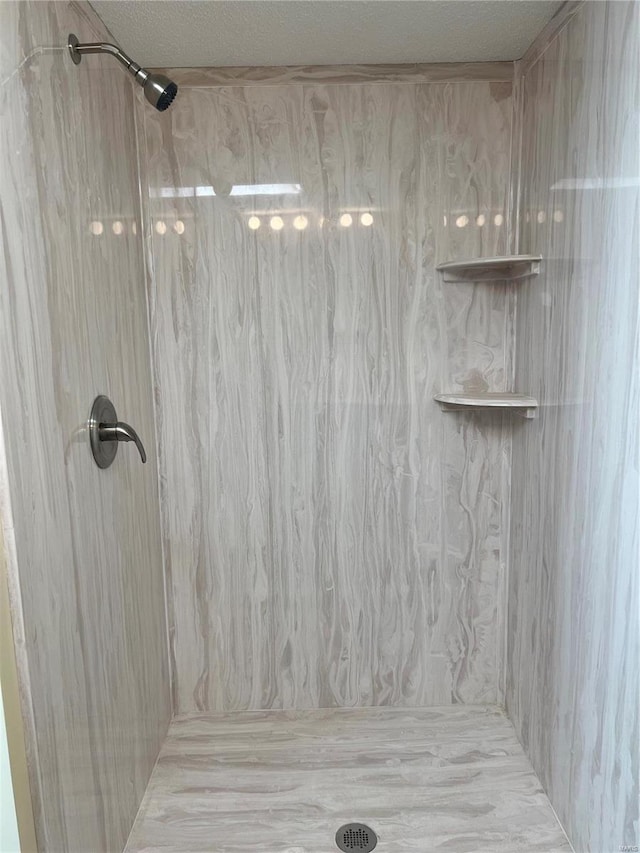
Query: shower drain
[356,836]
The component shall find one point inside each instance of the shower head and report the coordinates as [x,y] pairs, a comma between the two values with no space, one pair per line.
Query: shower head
[158,89]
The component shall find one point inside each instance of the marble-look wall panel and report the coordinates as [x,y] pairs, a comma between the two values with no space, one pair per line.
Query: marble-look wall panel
[332,538]
[83,545]
[416,72]
[573,628]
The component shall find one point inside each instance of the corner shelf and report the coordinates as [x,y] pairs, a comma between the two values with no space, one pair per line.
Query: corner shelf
[520,403]
[505,268]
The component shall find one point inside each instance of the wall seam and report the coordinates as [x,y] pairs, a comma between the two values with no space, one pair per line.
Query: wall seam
[549,34]
[140,132]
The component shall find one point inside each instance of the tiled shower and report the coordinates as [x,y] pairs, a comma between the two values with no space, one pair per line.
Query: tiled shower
[327,597]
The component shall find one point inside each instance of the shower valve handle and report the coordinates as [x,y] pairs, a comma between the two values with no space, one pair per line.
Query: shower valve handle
[106,432]
[121,432]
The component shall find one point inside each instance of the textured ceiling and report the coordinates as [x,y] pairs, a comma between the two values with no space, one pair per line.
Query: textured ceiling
[322,32]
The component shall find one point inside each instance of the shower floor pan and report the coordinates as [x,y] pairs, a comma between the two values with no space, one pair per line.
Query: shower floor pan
[436,779]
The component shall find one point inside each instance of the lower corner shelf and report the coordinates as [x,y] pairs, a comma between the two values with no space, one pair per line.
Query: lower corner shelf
[520,403]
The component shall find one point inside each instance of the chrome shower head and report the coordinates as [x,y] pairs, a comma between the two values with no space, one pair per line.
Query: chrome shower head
[158,89]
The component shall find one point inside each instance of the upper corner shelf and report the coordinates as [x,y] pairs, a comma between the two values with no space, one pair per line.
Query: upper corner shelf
[520,403]
[506,268]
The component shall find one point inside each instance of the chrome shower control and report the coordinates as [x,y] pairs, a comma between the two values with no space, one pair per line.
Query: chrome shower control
[105,431]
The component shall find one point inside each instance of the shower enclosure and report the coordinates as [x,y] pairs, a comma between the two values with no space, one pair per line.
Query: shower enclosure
[328,598]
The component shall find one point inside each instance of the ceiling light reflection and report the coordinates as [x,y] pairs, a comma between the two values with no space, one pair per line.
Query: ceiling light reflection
[96,228]
[236,190]
[366,219]
[597,183]
[277,223]
[178,226]
[254,222]
[346,220]
[161,227]
[462,221]
[300,223]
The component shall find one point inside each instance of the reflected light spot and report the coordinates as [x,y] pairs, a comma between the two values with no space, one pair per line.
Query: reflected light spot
[462,221]
[300,223]
[542,216]
[178,226]
[498,219]
[366,219]
[134,228]
[161,227]
[558,216]
[445,221]
[346,220]
[236,189]
[96,228]
[254,223]
[276,223]
[481,220]
[117,227]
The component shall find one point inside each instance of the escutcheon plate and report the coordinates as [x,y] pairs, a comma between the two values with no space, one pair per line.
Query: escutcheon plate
[102,412]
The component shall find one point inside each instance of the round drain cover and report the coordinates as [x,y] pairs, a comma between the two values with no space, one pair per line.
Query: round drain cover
[356,836]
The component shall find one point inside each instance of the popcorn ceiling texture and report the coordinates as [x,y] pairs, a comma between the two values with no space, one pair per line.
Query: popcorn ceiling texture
[298,32]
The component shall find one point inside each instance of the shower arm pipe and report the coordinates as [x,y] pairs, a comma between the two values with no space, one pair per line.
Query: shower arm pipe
[105,47]
[158,89]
